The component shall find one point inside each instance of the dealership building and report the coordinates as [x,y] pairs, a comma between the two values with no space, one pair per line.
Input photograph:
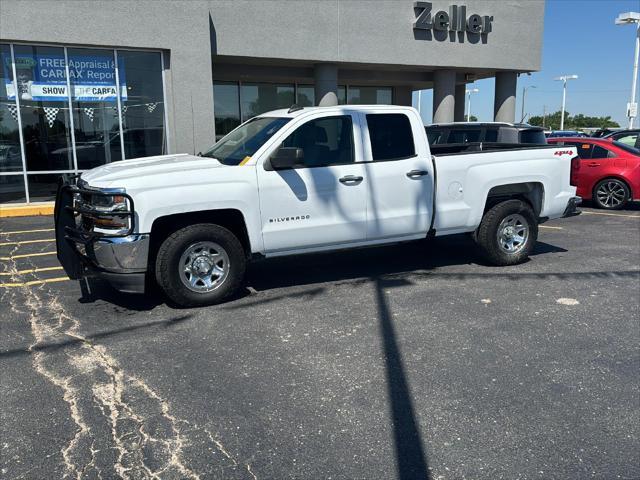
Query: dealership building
[86,83]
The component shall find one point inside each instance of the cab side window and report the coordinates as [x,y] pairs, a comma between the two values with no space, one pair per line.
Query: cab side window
[391,136]
[325,141]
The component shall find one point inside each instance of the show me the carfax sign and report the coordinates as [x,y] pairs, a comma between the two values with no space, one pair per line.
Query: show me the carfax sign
[42,77]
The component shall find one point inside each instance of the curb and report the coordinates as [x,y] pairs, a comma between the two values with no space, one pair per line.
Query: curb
[26,210]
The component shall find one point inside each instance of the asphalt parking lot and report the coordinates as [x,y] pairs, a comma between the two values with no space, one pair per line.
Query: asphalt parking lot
[410,361]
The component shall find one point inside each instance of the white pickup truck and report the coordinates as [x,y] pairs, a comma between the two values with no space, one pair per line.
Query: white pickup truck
[302,180]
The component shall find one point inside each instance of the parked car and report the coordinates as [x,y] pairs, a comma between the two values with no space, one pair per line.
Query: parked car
[628,137]
[609,172]
[565,133]
[484,132]
[602,132]
[299,181]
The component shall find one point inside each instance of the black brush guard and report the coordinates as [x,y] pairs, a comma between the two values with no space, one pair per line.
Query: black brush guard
[68,235]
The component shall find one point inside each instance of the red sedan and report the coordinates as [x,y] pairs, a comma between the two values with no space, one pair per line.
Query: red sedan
[608,172]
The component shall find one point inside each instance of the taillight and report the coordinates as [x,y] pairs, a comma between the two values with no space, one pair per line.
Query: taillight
[575,169]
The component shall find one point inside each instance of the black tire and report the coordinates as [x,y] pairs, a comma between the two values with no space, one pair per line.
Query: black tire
[487,234]
[618,191]
[168,268]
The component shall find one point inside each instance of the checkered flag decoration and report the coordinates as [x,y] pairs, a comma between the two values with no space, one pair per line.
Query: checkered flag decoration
[51,113]
[151,106]
[13,110]
[89,113]
[124,109]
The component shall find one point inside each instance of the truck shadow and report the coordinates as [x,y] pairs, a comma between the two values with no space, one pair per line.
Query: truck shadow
[422,256]
[410,257]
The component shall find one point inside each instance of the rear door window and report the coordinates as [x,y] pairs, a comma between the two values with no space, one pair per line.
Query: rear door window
[601,152]
[584,149]
[391,136]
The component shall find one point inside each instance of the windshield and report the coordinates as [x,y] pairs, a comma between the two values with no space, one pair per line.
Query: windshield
[238,146]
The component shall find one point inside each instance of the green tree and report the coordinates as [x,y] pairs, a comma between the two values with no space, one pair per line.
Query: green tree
[576,122]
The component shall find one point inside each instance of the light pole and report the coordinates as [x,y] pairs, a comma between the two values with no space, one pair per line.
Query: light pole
[625,19]
[469,92]
[524,95]
[564,79]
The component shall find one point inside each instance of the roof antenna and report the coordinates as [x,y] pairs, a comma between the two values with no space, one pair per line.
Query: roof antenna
[294,108]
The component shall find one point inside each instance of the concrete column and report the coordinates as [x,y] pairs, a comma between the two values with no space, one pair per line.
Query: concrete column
[458,115]
[326,84]
[504,103]
[444,86]
[402,96]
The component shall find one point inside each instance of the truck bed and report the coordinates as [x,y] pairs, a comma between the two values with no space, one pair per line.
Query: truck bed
[476,147]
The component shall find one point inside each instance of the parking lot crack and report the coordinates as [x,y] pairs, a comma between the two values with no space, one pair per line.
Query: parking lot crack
[148,439]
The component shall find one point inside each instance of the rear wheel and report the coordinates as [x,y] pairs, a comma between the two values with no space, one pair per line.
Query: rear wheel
[200,265]
[507,233]
[611,194]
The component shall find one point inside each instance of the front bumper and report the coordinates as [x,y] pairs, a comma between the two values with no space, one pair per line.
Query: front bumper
[572,207]
[119,259]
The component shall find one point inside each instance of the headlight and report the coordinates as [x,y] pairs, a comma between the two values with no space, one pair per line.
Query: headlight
[99,212]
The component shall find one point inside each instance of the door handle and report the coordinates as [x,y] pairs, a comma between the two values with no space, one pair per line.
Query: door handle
[351,179]
[593,164]
[417,173]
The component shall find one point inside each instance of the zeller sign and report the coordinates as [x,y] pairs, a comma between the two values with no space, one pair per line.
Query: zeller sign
[455,20]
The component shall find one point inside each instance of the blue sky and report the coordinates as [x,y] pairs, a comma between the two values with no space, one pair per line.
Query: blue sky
[580,38]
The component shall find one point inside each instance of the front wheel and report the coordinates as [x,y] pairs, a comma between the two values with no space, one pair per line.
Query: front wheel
[200,265]
[507,233]
[611,194]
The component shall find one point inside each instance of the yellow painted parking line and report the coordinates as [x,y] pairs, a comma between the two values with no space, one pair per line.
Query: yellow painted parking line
[554,228]
[34,282]
[32,270]
[611,214]
[28,255]
[18,232]
[25,242]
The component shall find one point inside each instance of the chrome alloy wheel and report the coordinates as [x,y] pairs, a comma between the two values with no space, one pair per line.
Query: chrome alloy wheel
[204,266]
[611,193]
[513,233]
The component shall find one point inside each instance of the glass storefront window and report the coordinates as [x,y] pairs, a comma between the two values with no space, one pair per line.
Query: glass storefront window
[41,85]
[236,102]
[257,98]
[226,98]
[95,106]
[305,96]
[10,154]
[369,95]
[140,75]
[66,97]
[342,95]
[12,189]
[42,186]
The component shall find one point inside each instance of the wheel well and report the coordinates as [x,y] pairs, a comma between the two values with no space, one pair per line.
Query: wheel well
[232,220]
[530,192]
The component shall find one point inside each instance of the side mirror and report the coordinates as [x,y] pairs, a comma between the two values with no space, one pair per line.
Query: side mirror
[286,157]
